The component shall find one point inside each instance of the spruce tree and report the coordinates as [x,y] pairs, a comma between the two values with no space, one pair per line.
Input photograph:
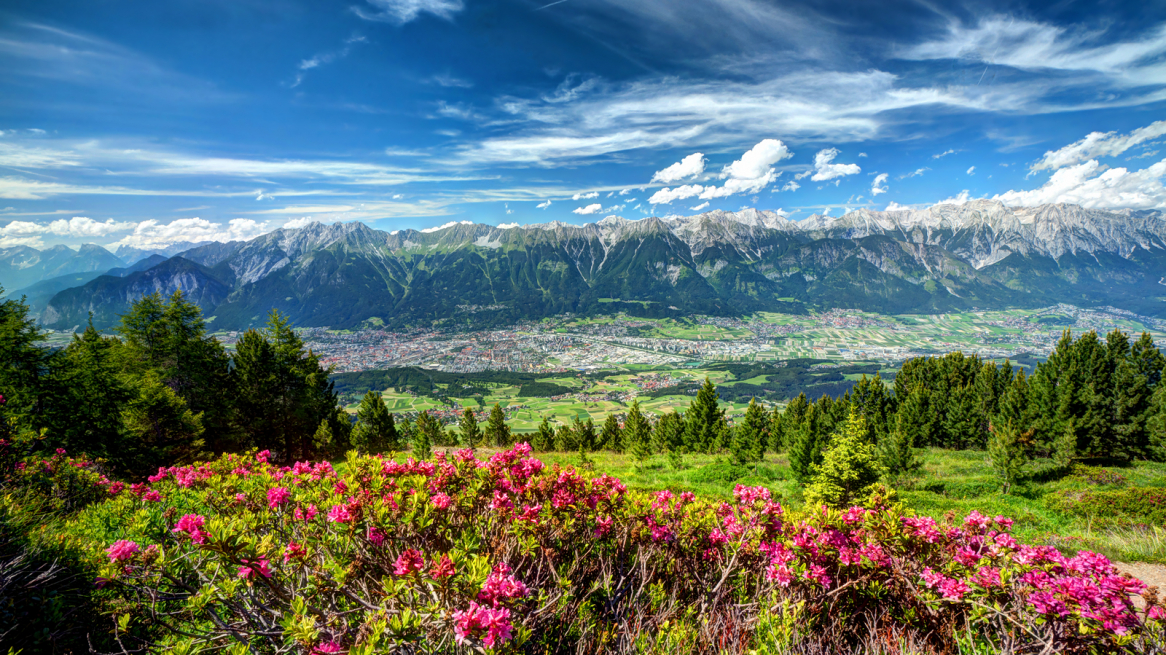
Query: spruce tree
[751,436]
[97,392]
[919,418]
[776,431]
[162,429]
[392,436]
[322,439]
[805,450]
[471,435]
[497,432]
[897,454]
[544,439]
[792,419]
[850,469]
[371,434]
[961,424]
[705,420]
[611,436]
[638,434]
[565,439]
[423,432]
[1008,454]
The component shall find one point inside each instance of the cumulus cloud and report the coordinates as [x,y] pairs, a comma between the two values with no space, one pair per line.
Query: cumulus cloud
[960,199]
[543,205]
[896,207]
[589,209]
[690,166]
[585,196]
[298,223]
[1098,144]
[78,226]
[751,173]
[880,184]
[153,234]
[700,207]
[403,11]
[971,170]
[624,192]
[429,230]
[507,226]
[1092,185]
[825,169]
[791,186]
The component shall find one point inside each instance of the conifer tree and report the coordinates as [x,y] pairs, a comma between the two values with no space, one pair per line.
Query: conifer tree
[565,439]
[611,436]
[322,440]
[961,424]
[897,454]
[668,435]
[792,419]
[919,418]
[373,420]
[705,420]
[392,436]
[97,392]
[424,430]
[776,430]
[471,435]
[544,439]
[162,428]
[805,450]
[1006,449]
[750,438]
[497,432]
[849,470]
[638,433]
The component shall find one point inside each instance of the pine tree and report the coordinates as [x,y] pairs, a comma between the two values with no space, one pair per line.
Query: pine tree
[423,433]
[751,437]
[705,420]
[373,420]
[471,436]
[850,469]
[1065,446]
[97,391]
[497,432]
[919,418]
[611,437]
[544,439]
[322,440]
[897,454]
[805,451]
[1007,451]
[792,419]
[961,424]
[776,431]
[565,439]
[392,436]
[162,429]
[638,433]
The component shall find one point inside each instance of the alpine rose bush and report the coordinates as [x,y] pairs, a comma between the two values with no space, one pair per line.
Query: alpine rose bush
[458,554]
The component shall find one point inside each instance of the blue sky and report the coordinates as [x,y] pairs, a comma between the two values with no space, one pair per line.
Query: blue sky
[144,122]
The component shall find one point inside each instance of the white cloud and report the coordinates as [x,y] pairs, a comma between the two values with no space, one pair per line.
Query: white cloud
[429,230]
[943,154]
[1094,186]
[449,81]
[791,186]
[543,205]
[585,196]
[81,226]
[298,223]
[758,161]
[880,184]
[862,154]
[751,173]
[960,199]
[896,207]
[915,173]
[690,166]
[1098,144]
[507,226]
[701,206]
[403,11]
[152,234]
[825,169]
[666,195]
[624,192]
[971,170]
[324,58]
[398,196]
[589,209]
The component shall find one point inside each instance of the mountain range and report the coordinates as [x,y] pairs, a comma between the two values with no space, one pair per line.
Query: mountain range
[980,254]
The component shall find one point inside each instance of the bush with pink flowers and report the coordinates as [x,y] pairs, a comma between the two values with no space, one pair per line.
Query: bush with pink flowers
[508,555]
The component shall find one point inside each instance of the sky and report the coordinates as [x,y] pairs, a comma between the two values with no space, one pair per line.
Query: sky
[143,123]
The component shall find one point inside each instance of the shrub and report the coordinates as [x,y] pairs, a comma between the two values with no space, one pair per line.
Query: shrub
[1097,475]
[849,470]
[1136,504]
[721,473]
[505,554]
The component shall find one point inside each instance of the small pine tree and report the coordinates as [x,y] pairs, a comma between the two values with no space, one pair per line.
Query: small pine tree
[565,439]
[611,437]
[322,439]
[373,420]
[497,432]
[1065,446]
[471,436]
[750,439]
[1006,449]
[807,446]
[897,454]
[423,435]
[639,434]
[705,420]
[849,471]
[776,431]
[544,439]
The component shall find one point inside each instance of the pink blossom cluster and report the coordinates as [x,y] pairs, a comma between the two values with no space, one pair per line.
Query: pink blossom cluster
[490,625]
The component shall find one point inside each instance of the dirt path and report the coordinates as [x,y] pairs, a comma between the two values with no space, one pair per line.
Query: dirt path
[1154,575]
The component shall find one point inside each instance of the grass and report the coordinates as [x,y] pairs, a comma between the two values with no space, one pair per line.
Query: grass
[953,483]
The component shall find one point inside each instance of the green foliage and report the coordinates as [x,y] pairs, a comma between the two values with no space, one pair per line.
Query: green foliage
[1140,504]
[426,432]
[375,431]
[611,436]
[1008,453]
[849,471]
[704,420]
[497,432]
[638,433]
[749,440]
[897,455]
[807,444]
[161,426]
[471,436]
[544,439]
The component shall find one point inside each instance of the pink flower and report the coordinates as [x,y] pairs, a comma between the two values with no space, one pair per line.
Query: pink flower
[122,550]
[1155,613]
[341,514]
[780,574]
[327,647]
[444,568]
[301,515]
[191,524]
[501,502]
[472,622]
[375,536]
[116,488]
[441,500]
[501,587]
[603,526]
[987,577]
[293,551]
[749,495]
[717,537]
[61,452]
[251,569]
[952,589]
[153,496]
[409,561]
[262,456]
[277,496]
